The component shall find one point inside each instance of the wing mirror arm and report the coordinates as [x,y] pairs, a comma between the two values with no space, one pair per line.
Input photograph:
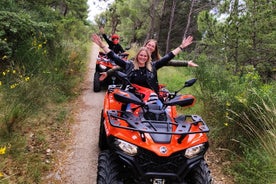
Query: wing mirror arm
[188,83]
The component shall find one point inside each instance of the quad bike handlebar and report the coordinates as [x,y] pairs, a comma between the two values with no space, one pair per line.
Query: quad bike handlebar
[169,98]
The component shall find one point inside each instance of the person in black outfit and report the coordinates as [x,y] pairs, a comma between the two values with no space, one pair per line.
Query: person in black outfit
[113,44]
[142,70]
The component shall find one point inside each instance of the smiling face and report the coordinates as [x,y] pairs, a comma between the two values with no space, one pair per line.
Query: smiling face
[151,46]
[142,58]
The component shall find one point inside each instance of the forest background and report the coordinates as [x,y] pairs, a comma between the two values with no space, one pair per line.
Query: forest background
[43,55]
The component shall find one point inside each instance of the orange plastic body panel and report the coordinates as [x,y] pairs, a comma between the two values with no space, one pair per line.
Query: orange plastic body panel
[110,103]
[134,137]
[104,60]
[108,64]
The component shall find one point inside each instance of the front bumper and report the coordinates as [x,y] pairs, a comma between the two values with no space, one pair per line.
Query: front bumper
[146,166]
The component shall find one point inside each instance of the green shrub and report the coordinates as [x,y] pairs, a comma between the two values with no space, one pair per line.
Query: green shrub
[33,91]
[255,167]
[240,111]
[258,123]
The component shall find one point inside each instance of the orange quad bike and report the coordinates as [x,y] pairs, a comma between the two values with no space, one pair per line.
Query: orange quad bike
[143,140]
[103,64]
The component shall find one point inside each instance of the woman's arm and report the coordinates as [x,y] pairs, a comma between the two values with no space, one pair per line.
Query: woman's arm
[109,42]
[97,40]
[110,72]
[164,60]
[181,63]
[185,43]
[113,70]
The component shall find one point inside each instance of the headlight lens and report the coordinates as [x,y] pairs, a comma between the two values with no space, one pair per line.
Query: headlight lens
[194,151]
[126,147]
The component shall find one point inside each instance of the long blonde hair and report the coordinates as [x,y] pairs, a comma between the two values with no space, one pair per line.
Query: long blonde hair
[148,62]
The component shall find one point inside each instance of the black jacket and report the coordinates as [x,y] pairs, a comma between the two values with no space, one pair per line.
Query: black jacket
[142,73]
[117,48]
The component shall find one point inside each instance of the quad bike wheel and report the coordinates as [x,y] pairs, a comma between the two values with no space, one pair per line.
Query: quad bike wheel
[96,82]
[102,135]
[200,174]
[108,168]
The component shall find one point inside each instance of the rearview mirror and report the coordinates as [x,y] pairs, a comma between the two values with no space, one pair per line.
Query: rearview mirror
[190,82]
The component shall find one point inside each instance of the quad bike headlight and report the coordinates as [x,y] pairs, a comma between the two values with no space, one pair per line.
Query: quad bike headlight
[194,151]
[126,147]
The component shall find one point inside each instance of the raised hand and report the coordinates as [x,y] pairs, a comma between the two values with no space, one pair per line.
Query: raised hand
[96,39]
[186,41]
[192,64]
[103,76]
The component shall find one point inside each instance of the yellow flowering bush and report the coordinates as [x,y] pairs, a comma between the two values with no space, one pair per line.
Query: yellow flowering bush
[12,78]
[39,42]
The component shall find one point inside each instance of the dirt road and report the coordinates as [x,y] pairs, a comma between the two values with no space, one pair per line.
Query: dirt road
[82,161]
[77,163]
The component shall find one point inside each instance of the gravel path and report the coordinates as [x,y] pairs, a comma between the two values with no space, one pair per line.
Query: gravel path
[77,156]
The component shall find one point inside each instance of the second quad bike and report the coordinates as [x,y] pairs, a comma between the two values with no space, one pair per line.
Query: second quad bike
[103,64]
[143,140]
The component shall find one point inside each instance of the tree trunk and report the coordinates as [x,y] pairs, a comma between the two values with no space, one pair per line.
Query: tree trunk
[189,19]
[150,33]
[170,26]
[162,14]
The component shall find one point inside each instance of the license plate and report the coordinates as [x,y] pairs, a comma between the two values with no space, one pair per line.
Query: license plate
[158,181]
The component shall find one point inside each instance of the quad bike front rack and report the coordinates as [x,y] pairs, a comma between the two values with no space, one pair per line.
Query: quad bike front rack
[138,123]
